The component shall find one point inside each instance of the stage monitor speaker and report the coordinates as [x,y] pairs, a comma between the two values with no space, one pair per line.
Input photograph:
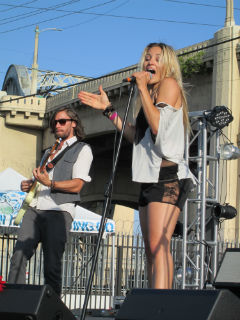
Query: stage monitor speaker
[155,304]
[32,302]
[228,274]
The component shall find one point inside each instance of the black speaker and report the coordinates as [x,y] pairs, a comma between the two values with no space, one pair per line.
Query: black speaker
[32,302]
[228,274]
[154,304]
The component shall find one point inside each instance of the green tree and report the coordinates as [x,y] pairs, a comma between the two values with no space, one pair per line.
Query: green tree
[192,65]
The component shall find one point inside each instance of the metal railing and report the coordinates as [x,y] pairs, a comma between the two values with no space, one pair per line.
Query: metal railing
[121,266]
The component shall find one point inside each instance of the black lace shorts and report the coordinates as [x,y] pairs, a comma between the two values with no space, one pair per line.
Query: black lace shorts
[169,189]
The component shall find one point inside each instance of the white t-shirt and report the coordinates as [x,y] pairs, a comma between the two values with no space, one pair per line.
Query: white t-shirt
[169,144]
[43,200]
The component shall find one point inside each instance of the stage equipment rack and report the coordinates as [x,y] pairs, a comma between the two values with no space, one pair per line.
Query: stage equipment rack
[199,254]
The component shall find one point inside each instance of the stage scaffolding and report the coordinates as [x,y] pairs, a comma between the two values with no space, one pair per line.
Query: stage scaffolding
[199,252]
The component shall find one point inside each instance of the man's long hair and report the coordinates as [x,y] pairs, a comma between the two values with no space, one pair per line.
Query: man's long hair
[78,130]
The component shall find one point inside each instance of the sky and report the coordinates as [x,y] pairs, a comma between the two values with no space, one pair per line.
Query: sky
[101,36]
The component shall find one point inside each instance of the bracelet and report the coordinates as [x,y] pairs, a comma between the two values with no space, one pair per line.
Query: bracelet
[108,111]
[52,186]
[113,115]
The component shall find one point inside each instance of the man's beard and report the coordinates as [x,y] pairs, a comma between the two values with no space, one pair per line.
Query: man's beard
[60,135]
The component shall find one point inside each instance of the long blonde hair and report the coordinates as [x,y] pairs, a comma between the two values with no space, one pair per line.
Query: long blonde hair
[171,70]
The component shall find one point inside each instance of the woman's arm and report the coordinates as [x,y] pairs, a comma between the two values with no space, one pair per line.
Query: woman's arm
[101,102]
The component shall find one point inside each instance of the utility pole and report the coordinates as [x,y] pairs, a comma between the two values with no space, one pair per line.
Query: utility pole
[35,65]
[35,58]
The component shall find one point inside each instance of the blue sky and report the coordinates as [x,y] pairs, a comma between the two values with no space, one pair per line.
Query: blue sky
[106,35]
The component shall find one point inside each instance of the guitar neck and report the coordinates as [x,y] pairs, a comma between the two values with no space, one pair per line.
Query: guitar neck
[32,190]
[54,147]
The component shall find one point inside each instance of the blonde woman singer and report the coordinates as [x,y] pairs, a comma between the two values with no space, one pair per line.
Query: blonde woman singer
[158,149]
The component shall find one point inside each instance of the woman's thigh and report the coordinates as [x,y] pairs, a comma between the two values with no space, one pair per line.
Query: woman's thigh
[158,221]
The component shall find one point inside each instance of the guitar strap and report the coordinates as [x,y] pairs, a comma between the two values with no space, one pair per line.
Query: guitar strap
[52,163]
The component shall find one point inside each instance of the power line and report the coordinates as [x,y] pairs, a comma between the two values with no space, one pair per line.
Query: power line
[150,19]
[118,16]
[68,14]
[52,8]
[14,6]
[35,12]
[118,72]
[210,46]
[94,18]
[24,5]
[120,5]
[199,4]
[112,16]
[68,86]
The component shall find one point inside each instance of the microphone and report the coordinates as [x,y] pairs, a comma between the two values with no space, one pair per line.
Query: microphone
[132,79]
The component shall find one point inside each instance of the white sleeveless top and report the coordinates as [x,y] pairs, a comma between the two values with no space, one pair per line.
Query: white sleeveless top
[169,144]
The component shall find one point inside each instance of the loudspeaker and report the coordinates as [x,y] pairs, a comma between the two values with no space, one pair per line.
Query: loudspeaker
[32,302]
[154,304]
[228,274]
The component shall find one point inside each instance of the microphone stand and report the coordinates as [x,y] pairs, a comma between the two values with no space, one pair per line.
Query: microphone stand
[106,208]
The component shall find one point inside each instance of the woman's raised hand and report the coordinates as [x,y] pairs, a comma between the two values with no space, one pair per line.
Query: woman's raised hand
[142,78]
[96,101]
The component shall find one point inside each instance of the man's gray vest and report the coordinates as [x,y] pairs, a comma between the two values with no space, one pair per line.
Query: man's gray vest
[63,171]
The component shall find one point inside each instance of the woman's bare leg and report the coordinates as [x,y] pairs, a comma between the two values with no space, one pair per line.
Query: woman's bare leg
[144,228]
[158,221]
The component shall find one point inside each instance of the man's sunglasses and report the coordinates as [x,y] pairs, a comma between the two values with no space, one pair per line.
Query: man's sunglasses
[62,122]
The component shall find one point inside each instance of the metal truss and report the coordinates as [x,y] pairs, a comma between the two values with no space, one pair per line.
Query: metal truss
[199,250]
[52,82]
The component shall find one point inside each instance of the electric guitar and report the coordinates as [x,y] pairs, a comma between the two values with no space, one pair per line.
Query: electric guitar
[32,192]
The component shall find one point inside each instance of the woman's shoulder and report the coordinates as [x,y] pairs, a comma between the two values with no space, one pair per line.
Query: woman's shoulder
[169,92]
[171,82]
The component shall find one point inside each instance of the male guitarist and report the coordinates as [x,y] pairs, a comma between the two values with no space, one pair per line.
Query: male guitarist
[50,214]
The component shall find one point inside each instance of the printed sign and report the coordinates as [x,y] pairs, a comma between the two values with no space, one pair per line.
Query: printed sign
[91,226]
[11,201]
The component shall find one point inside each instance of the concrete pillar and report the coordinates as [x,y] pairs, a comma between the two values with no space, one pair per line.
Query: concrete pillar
[226,91]
[35,65]
[229,21]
